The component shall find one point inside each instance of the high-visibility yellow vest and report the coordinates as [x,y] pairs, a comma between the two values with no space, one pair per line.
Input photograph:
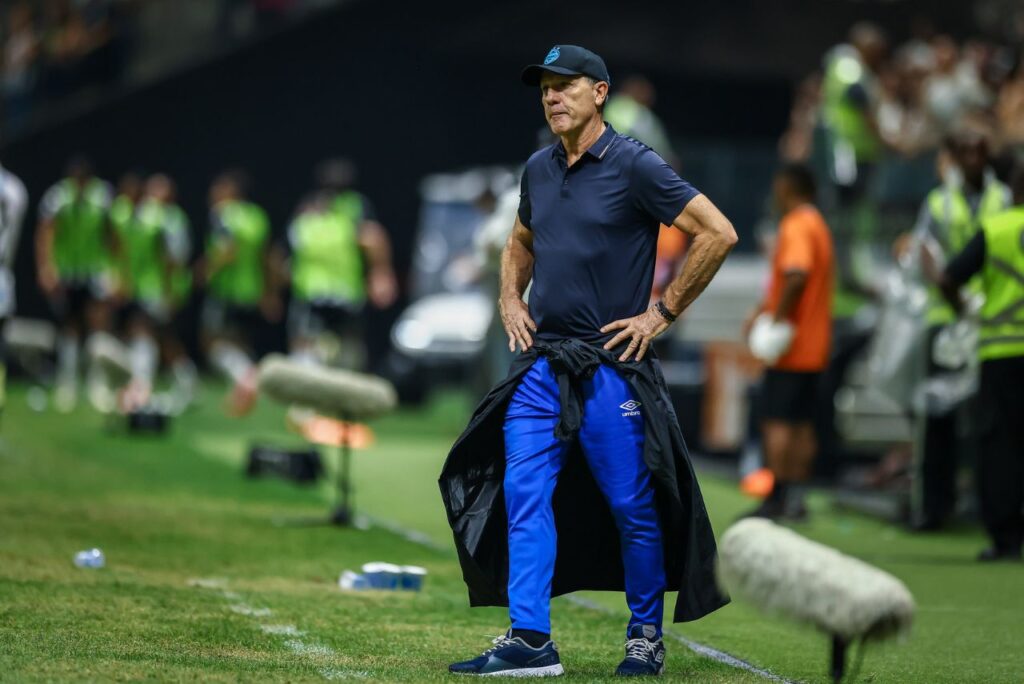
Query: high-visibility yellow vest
[327,261]
[949,208]
[844,118]
[1002,316]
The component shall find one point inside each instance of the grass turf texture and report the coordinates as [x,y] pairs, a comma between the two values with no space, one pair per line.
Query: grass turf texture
[169,510]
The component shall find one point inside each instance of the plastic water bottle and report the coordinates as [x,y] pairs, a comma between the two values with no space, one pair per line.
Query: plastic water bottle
[91,558]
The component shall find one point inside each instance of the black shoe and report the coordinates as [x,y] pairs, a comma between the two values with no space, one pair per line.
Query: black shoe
[645,653]
[796,513]
[995,553]
[512,658]
[771,508]
[928,524]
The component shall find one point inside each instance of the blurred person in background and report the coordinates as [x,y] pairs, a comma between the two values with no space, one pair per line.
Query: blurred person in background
[797,142]
[996,254]
[240,287]
[949,218]
[850,98]
[630,111]
[73,258]
[903,120]
[160,205]
[1010,108]
[792,335]
[13,203]
[130,252]
[488,243]
[152,236]
[954,87]
[340,260]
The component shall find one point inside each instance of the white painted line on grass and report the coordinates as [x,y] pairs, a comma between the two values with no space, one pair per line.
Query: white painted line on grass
[208,582]
[334,673]
[413,536]
[295,644]
[302,648]
[246,609]
[282,630]
[696,647]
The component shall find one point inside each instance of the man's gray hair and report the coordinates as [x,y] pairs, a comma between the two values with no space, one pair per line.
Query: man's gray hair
[593,81]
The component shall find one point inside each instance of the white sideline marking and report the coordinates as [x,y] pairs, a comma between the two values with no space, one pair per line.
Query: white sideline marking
[282,630]
[413,536]
[302,648]
[208,582]
[295,644]
[246,609]
[335,673]
[696,647]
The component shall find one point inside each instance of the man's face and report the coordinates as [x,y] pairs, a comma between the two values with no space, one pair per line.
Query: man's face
[570,101]
[972,156]
[223,190]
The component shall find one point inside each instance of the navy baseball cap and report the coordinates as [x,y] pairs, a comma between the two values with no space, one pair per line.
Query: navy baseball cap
[568,60]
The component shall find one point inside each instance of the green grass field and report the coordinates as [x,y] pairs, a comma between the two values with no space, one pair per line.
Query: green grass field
[205,580]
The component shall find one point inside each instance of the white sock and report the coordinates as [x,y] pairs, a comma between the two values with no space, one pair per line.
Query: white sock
[185,378]
[144,356]
[67,361]
[232,362]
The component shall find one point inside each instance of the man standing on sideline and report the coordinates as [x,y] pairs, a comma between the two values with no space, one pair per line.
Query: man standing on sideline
[996,252]
[585,406]
[792,335]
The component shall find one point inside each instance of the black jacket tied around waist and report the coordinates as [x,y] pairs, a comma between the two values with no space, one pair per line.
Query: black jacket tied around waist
[589,556]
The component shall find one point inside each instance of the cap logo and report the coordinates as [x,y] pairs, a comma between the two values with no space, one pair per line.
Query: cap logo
[553,55]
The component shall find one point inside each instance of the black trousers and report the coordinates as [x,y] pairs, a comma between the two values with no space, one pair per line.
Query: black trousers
[1000,464]
[940,456]
[938,467]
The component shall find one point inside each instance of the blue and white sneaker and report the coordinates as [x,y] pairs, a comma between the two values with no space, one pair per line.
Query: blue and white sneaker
[512,658]
[645,653]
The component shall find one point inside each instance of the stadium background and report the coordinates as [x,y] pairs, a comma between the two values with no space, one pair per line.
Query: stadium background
[406,90]
[412,89]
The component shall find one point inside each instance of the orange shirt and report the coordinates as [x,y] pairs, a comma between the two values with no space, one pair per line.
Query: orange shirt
[805,244]
[671,250]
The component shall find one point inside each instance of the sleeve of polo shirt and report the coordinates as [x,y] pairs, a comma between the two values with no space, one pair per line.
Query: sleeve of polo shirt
[796,252]
[657,189]
[524,201]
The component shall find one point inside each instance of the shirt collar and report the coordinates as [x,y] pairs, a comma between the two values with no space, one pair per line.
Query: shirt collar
[596,151]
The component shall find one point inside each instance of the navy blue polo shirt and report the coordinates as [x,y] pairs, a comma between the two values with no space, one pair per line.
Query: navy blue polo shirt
[595,232]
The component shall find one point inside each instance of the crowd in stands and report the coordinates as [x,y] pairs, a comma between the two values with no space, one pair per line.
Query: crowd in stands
[55,48]
[924,89]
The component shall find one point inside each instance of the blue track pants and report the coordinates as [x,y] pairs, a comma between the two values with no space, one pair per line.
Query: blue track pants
[612,437]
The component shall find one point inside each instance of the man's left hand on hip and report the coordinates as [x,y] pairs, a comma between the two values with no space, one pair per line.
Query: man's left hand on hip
[640,330]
